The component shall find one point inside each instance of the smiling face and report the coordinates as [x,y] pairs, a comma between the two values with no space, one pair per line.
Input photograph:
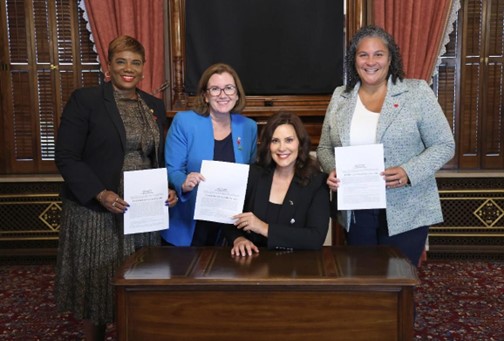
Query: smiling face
[221,104]
[126,70]
[372,61]
[284,146]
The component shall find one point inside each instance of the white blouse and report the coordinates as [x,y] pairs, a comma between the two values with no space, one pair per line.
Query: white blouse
[363,126]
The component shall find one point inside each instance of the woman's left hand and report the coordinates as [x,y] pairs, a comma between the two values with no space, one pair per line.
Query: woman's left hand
[395,177]
[243,247]
[172,198]
[249,222]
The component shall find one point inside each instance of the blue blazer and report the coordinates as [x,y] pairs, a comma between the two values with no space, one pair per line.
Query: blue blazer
[189,141]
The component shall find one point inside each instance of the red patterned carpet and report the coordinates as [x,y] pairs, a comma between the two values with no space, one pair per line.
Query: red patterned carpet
[457,300]
[460,300]
[27,307]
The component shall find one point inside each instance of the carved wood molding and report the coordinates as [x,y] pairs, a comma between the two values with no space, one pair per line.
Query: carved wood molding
[358,15]
[178,98]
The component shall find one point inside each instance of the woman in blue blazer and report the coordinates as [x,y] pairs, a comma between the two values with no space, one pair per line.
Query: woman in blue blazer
[212,131]
[378,105]
[287,199]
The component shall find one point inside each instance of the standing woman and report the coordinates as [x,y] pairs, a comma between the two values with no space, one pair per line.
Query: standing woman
[378,105]
[214,130]
[104,131]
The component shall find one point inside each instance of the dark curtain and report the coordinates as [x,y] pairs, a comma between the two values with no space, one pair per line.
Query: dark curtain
[277,47]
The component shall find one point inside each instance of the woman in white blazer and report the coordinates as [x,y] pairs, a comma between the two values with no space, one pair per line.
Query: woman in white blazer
[378,105]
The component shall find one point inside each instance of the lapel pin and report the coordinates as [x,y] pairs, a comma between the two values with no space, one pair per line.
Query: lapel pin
[291,202]
[292,221]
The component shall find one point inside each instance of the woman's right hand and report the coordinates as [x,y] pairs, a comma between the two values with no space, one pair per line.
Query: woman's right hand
[333,181]
[192,180]
[243,247]
[112,202]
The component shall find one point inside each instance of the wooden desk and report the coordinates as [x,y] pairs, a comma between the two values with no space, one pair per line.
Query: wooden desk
[337,293]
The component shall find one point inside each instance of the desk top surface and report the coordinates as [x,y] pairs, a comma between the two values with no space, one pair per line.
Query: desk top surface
[165,266]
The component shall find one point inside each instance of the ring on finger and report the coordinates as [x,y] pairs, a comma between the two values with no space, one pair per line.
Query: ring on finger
[113,204]
[400,182]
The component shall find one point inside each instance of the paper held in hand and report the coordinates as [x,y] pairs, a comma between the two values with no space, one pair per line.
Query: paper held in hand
[222,194]
[361,185]
[146,192]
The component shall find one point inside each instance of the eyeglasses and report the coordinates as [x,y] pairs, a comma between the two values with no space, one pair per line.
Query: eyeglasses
[216,91]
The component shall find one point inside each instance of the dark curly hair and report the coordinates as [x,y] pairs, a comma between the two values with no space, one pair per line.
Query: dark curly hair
[305,166]
[396,66]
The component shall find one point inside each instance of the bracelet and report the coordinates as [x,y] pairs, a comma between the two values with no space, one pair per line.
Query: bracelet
[100,195]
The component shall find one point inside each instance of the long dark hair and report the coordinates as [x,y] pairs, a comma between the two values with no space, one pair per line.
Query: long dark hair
[396,66]
[305,165]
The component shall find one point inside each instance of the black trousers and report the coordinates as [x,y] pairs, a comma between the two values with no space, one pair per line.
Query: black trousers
[369,227]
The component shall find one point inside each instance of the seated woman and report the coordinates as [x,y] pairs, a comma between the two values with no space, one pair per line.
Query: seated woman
[287,199]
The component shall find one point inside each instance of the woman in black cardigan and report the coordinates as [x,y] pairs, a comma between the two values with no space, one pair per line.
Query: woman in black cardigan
[104,131]
[287,199]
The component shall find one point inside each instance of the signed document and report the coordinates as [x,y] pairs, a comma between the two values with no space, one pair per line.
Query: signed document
[359,168]
[146,192]
[222,194]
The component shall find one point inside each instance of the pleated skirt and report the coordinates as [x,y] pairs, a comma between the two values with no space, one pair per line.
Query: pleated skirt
[92,246]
